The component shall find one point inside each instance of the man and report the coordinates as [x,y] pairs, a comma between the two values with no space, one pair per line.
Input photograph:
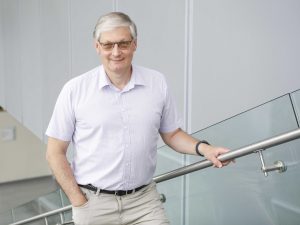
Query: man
[113,115]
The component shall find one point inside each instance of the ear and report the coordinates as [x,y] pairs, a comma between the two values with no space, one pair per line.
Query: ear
[135,44]
[97,46]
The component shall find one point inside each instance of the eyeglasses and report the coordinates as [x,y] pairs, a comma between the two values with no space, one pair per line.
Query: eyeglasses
[122,45]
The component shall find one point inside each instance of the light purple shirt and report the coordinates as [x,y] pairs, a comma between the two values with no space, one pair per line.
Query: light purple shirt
[114,133]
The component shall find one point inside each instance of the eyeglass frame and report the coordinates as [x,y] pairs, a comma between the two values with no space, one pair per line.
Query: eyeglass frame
[113,44]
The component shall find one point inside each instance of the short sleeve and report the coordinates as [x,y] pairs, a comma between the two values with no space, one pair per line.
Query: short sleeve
[62,123]
[170,120]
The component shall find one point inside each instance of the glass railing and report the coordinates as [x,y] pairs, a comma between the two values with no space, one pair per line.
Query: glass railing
[237,194]
[49,202]
[240,193]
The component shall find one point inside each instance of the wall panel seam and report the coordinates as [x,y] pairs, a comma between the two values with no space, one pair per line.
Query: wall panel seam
[70,39]
[115,5]
[187,95]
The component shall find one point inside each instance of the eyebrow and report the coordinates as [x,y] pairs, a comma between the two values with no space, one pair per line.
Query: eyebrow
[123,39]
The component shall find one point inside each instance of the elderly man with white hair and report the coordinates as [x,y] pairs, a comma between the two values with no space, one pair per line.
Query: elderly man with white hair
[113,115]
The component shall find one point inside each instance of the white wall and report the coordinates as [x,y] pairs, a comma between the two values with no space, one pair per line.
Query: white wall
[55,52]
[244,53]
[11,54]
[29,53]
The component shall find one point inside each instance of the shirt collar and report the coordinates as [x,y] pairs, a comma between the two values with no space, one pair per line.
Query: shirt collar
[103,79]
[136,79]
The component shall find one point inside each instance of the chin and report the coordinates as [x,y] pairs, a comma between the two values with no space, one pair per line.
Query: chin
[118,68]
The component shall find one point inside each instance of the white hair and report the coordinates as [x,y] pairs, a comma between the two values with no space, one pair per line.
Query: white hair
[114,20]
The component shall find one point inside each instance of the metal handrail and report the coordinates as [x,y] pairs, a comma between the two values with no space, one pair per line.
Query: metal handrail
[44,215]
[265,144]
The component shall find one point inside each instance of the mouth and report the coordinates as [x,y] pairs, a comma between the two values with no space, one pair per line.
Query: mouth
[116,60]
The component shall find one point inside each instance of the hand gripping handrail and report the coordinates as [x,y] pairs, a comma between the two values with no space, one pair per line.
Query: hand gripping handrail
[252,148]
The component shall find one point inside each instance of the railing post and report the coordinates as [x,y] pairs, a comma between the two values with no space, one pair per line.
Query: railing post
[263,168]
[278,165]
[61,217]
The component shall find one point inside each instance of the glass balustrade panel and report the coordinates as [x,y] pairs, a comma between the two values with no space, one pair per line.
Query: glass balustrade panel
[40,205]
[173,189]
[295,96]
[240,193]
[6,217]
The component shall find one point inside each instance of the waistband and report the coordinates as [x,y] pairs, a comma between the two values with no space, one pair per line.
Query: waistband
[116,192]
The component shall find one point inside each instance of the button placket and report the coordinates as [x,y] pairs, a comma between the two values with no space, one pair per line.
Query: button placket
[126,141]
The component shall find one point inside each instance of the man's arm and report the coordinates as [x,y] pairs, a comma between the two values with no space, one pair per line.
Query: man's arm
[184,143]
[56,157]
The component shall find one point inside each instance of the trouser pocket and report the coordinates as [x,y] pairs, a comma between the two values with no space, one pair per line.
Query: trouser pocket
[81,214]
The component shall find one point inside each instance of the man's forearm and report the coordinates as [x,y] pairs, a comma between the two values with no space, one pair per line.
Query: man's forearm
[181,142]
[63,173]
[184,143]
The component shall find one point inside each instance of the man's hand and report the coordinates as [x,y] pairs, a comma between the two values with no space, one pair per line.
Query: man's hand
[78,200]
[211,153]
[184,143]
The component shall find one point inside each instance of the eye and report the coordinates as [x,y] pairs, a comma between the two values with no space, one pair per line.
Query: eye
[124,44]
[107,45]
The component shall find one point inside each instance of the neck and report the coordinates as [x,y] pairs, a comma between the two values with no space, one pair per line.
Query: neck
[119,79]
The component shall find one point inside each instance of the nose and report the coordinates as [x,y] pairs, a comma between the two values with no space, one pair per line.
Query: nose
[116,51]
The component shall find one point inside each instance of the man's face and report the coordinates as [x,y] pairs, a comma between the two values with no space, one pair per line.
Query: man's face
[116,58]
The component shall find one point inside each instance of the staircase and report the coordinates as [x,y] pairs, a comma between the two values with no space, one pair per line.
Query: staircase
[272,199]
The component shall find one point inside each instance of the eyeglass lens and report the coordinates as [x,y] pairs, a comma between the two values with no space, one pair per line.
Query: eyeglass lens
[123,45]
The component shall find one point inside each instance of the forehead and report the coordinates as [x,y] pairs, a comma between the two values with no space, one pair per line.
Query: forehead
[116,34]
